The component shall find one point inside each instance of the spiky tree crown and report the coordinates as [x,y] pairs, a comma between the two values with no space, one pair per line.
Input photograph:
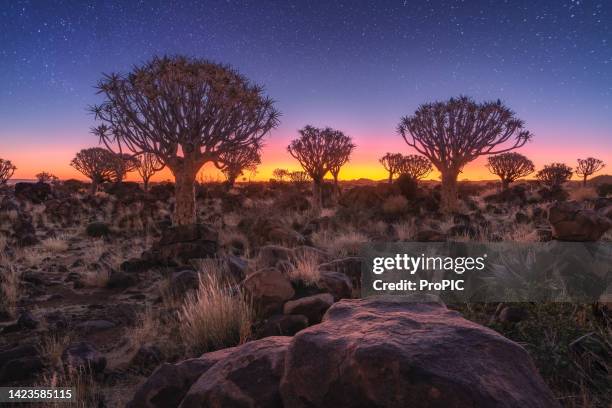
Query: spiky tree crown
[510,166]
[555,174]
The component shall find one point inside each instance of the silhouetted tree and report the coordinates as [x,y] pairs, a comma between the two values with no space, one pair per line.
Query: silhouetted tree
[587,167]
[299,177]
[236,162]
[185,111]
[44,177]
[453,133]
[316,150]
[392,162]
[148,165]
[7,169]
[280,174]
[555,174]
[416,167]
[97,164]
[122,165]
[343,147]
[510,167]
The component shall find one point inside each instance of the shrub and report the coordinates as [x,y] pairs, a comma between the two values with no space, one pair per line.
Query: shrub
[604,189]
[395,205]
[407,185]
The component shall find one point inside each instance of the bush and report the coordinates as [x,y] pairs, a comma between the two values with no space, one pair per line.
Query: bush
[395,205]
[407,185]
[604,189]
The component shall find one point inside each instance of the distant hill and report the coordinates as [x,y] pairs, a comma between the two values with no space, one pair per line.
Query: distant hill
[604,178]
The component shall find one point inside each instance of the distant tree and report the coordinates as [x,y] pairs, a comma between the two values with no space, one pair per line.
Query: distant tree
[416,167]
[316,150]
[510,167]
[587,167]
[187,112]
[280,174]
[122,165]
[234,163]
[7,169]
[148,165]
[97,164]
[392,162]
[555,174]
[44,177]
[342,153]
[453,133]
[299,177]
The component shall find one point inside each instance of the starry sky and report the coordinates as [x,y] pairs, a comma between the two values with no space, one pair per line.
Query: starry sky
[357,66]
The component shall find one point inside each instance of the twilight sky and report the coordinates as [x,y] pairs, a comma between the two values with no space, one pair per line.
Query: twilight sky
[357,66]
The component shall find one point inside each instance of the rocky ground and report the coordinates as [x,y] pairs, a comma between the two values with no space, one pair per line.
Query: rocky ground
[259,304]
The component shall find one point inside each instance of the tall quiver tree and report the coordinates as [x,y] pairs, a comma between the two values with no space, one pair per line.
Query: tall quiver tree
[587,167]
[342,148]
[509,167]
[187,112]
[316,149]
[392,162]
[7,169]
[454,133]
[97,164]
[148,165]
[234,163]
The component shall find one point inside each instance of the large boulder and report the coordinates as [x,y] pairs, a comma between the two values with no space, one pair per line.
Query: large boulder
[386,352]
[169,383]
[182,243]
[313,307]
[570,222]
[249,377]
[19,363]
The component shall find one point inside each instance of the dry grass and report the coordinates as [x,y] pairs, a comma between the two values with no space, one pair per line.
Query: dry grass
[395,205]
[305,269]
[10,289]
[31,256]
[58,243]
[405,231]
[88,393]
[582,193]
[146,328]
[95,279]
[52,347]
[214,316]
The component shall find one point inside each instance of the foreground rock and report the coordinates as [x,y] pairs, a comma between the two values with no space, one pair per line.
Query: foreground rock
[388,353]
[572,223]
[376,352]
[182,243]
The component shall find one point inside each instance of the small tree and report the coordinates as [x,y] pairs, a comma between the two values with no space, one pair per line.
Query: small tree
[416,167]
[122,165]
[97,164]
[392,162]
[299,177]
[587,167]
[148,165]
[342,152]
[7,169]
[187,112]
[510,167]
[453,133]
[236,162]
[555,174]
[316,150]
[44,177]
[280,174]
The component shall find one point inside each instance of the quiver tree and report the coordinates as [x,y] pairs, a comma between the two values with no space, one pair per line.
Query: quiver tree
[299,177]
[122,165]
[234,163]
[185,111]
[148,165]
[392,162]
[416,167]
[280,174]
[7,169]
[316,150]
[96,163]
[554,175]
[587,167]
[44,177]
[510,167]
[453,133]
[342,148]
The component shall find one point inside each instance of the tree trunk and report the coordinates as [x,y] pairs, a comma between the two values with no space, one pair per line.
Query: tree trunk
[94,187]
[505,184]
[449,191]
[317,194]
[390,177]
[584,180]
[145,184]
[184,190]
